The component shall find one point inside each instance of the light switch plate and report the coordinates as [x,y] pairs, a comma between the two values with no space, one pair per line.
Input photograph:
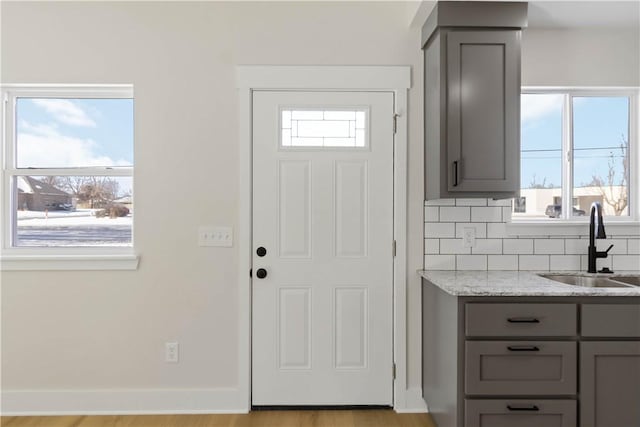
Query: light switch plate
[468,237]
[215,236]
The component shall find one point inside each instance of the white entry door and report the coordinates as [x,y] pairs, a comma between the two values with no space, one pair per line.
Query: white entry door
[322,290]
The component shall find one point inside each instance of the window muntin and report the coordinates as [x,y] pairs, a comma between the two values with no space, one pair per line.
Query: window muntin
[68,176]
[589,120]
[300,128]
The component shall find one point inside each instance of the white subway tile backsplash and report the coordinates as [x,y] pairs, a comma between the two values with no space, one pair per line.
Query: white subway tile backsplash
[517,246]
[626,262]
[440,262]
[501,202]
[575,246]
[455,214]
[471,202]
[497,230]
[453,246]
[564,262]
[486,214]
[487,246]
[431,214]
[533,262]
[548,246]
[495,249]
[481,229]
[503,262]
[439,229]
[431,246]
[441,202]
[471,262]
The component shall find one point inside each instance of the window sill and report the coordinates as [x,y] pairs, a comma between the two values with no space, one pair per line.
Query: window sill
[24,262]
[570,228]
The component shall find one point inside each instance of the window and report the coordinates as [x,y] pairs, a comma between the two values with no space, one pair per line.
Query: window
[577,147]
[323,128]
[67,178]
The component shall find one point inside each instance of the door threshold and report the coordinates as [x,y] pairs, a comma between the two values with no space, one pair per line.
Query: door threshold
[318,407]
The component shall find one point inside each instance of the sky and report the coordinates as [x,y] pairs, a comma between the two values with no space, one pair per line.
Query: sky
[599,124]
[60,133]
[63,133]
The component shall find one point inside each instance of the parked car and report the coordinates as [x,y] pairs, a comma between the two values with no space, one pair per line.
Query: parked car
[554,211]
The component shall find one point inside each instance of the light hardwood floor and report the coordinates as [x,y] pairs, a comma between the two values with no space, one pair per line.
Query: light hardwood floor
[311,418]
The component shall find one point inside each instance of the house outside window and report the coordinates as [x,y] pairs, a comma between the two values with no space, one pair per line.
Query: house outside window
[578,147]
[67,182]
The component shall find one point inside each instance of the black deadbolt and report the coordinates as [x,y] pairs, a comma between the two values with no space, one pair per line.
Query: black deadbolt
[261,251]
[261,273]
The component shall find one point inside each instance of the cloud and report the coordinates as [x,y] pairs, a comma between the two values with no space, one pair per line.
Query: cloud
[44,146]
[65,111]
[537,106]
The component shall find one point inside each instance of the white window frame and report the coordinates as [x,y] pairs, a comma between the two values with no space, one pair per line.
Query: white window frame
[54,258]
[570,226]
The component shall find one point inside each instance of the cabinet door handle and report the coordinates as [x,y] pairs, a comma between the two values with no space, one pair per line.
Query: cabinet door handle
[523,408]
[523,320]
[455,173]
[523,348]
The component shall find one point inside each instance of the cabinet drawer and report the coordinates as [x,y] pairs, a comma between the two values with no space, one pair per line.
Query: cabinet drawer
[520,320]
[520,368]
[611,320]
[520,413]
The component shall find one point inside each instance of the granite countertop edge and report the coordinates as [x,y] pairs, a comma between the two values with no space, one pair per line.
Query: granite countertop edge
[518,283]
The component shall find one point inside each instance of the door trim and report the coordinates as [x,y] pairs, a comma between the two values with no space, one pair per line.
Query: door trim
[396,79]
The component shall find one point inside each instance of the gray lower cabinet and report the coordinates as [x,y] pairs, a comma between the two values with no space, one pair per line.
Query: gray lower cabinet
[520,413]
[531,361]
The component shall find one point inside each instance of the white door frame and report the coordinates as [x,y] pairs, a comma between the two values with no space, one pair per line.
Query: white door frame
[396,79]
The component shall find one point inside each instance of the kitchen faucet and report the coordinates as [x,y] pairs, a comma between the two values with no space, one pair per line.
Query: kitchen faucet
[596,231]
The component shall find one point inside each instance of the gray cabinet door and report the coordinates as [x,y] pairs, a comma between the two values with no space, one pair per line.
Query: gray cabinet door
[609,384]
[483,110]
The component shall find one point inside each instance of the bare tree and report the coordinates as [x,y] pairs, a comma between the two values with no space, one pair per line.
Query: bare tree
[98,191]
[538,185]
[617,198]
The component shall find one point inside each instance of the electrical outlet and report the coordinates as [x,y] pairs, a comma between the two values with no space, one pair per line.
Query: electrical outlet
[468,237]
[215,236]
[171,352]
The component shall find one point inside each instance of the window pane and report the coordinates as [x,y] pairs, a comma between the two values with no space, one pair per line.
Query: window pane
[541,157]
[601,154]
[64,132]
[73,211]
[323,128]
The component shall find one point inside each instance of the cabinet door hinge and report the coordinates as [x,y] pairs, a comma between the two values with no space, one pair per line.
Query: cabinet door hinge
[395,123]
[393,248]
[393,371]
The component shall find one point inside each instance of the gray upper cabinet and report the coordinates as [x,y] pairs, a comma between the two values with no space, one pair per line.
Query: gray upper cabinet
[472,99]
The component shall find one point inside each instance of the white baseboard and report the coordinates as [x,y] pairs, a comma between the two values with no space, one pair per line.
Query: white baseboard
[123,402]
[413,401]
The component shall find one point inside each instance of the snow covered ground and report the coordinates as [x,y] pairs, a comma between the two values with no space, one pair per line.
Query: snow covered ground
[78,228]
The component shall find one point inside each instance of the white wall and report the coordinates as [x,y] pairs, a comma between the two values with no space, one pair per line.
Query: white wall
[106,330]
[581,57]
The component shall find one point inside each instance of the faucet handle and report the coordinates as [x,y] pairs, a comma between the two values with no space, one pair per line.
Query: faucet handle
[608,249]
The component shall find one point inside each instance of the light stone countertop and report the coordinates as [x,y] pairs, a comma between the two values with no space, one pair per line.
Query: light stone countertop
[518,283]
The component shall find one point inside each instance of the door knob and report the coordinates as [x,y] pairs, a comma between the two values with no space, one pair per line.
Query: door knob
[261,251]
[261,273]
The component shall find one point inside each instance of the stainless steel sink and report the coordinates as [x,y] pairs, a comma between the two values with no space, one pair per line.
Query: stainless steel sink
[631,280]
[586,281]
